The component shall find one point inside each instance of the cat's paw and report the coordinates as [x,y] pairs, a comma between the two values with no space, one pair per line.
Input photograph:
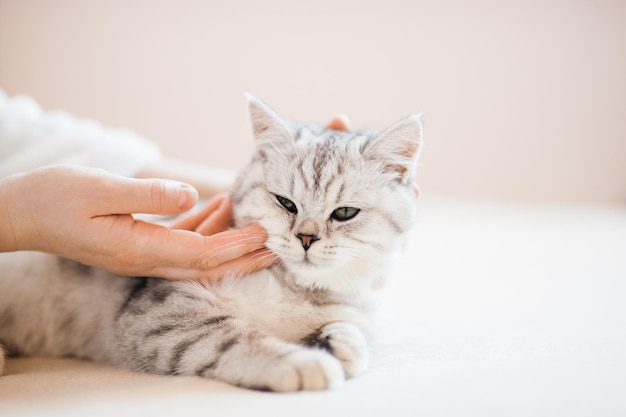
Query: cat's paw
[305,369]
[348,344]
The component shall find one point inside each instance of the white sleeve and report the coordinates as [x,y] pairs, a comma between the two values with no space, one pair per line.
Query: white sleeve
[30,138]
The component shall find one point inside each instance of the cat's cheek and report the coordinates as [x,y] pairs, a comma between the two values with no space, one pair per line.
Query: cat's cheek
[283,245]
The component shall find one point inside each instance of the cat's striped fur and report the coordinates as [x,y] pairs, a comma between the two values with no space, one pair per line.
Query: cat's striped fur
[336,206]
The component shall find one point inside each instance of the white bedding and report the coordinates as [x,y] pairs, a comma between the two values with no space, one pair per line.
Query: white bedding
[501,309]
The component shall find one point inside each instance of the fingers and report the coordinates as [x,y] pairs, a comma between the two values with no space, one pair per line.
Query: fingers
[182,250]
[150,196]
[243,265]
[214,207]
[204,248]
[235,252]
[339,122]
[217,221]
[225,246]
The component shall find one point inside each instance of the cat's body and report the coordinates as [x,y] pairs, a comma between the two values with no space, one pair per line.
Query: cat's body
[336,206]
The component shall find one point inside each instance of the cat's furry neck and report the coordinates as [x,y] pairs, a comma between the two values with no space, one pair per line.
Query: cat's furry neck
[360,296]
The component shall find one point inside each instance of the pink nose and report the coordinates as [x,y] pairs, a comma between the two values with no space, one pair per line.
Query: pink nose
[307,240]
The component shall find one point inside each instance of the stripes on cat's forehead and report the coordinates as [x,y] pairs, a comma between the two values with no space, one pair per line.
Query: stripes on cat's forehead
[320,158]
[331,137]
[319,169]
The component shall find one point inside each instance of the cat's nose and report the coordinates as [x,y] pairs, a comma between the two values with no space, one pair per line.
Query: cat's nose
[307,240]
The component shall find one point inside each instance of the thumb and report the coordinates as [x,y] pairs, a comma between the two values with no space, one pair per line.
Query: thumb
[152,196]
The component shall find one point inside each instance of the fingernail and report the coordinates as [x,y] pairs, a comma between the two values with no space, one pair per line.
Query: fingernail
[187,196]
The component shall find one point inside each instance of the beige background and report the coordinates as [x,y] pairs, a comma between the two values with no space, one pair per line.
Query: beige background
[522,100]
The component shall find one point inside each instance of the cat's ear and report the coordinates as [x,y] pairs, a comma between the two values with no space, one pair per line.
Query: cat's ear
[267,125]
[399,147]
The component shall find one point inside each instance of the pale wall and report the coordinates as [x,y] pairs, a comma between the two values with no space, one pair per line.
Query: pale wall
[522,100]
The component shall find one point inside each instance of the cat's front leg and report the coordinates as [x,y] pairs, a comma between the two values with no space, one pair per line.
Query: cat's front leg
[346,342]
[225,348]
[242,356]
[271,364]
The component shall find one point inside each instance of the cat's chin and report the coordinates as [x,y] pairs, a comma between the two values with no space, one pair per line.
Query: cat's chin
[332,278]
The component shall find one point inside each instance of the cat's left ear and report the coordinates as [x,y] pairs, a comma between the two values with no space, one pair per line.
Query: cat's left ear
[399,147]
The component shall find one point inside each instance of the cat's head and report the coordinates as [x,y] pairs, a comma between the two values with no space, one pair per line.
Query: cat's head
[335,204]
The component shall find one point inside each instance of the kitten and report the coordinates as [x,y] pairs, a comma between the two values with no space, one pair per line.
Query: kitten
[336,206]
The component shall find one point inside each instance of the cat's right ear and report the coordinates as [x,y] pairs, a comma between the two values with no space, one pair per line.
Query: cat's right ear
[267,125]
[399,147]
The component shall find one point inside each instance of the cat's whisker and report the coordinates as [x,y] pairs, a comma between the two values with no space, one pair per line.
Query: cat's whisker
[243,268]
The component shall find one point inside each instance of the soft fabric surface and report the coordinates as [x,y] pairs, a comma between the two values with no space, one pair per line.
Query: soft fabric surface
[499,309]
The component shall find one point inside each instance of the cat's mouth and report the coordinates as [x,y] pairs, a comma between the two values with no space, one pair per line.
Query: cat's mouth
[305,262]
[311,263]
[296,258]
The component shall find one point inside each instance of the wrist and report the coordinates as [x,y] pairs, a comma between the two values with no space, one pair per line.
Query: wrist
[8,235]
[18,226]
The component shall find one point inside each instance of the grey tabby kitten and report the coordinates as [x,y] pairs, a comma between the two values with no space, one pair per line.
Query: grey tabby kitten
[336,206]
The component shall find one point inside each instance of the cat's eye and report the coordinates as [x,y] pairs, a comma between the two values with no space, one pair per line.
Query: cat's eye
[287,204]
[343,214]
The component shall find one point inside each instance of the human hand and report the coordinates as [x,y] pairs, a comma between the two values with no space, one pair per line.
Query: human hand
[213,220]
[85,214]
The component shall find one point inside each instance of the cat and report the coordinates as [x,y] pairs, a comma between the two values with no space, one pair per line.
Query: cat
[336,205]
